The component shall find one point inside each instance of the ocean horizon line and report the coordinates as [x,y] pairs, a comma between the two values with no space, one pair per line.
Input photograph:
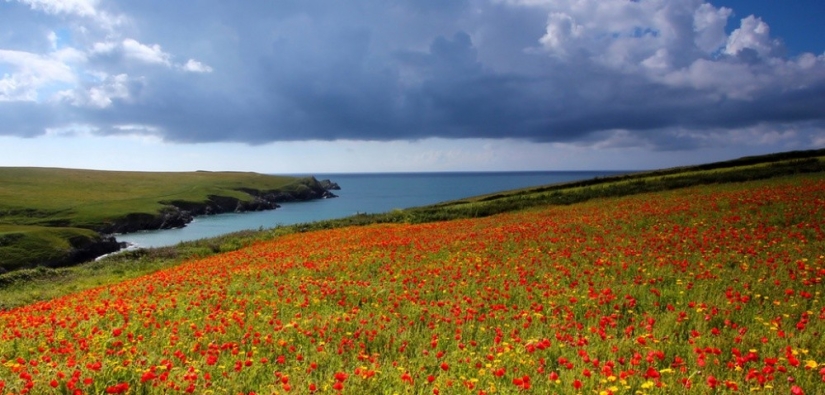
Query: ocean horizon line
[455,172]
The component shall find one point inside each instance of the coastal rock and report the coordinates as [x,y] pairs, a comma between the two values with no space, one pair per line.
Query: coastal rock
[178,214]
[329,185]
[170,218]
[307,189]
[84,250]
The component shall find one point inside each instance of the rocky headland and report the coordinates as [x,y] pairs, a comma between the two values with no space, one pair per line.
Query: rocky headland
[55,217]
[178,214]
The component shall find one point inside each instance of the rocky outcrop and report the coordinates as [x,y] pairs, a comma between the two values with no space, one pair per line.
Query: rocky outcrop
[329,185]
[84,249]
[175,214]
[170,218]
[178,214]
[308,189]
[81,249]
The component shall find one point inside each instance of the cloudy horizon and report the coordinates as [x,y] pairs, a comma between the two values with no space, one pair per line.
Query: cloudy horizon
[326,86]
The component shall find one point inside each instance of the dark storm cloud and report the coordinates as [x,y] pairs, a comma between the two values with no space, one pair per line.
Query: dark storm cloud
[258,72]
[28,119]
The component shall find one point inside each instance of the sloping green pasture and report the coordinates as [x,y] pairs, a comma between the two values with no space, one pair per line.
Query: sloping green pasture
[45,211]
[25,286]
[88,198]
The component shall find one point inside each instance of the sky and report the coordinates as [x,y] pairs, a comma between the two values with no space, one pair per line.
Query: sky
[325,86]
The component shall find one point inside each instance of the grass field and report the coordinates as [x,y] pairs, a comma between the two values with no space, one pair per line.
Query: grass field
[707,289]
[87,198]
[42,210]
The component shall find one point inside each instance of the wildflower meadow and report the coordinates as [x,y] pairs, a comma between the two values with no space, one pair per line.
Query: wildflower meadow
[709,290]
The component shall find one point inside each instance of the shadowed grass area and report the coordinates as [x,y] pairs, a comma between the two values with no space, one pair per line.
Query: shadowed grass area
[20,244]
[25,286]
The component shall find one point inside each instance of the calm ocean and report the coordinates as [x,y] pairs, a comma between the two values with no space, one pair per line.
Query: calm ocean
[365,193]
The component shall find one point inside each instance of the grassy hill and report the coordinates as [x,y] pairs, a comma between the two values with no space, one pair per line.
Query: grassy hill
[733,171]
[711,288]
[89,199]
[24,286]
[45,213]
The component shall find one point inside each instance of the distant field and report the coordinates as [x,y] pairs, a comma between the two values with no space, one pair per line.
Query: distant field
[88,198]
[45,213]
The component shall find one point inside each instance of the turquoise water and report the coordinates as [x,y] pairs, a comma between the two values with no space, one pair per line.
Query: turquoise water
[365,193]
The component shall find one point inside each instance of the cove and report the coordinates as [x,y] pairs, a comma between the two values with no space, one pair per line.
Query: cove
[362,193]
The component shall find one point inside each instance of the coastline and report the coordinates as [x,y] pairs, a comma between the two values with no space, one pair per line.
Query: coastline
[364,194]
[68,240]
[179,213]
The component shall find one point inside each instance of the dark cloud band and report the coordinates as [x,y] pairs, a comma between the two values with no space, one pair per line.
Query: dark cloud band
[318,70]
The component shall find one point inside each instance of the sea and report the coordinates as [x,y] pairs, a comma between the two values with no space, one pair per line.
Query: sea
[362,193]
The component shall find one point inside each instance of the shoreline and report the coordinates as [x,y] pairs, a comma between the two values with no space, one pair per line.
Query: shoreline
[183,214]
[129,247]
[68,237]
[179,213]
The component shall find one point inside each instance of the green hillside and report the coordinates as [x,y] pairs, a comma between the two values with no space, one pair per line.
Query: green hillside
[25,286]
[48,214]
[89,198]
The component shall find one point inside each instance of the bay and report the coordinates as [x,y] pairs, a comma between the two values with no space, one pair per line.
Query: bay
[362,193]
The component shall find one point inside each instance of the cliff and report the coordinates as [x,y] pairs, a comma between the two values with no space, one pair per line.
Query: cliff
[52,217]
[178,213]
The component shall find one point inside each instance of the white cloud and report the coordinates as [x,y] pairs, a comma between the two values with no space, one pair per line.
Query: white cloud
[196,67]
[744,81]
[561,29]
[81,8]
[114,87]
[101,95]
[659,62]
[103,47]
[63,73]
[132,49]
[709,24]
[69,55]
[45,66]
[17,88]
[145,53]
[52,37]
[140,132]
[66,7]
[33,72]
[677,43]
[71,130]
[735,80]
[621,34]
[134,128]
[753,34]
